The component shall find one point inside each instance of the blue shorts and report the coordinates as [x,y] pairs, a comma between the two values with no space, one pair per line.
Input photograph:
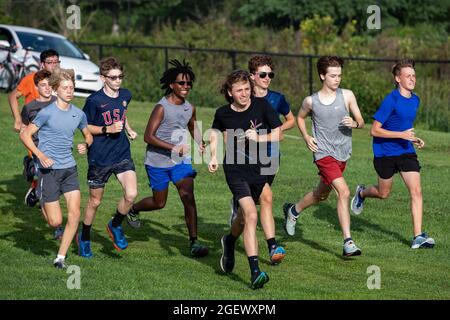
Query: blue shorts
[160,177]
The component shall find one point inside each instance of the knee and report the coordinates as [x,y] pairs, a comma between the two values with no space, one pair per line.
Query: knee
[320,196]
[130,196]
[416,193]
[251,218]
[94,202]
[384,194]
[54,221]
[160,204]
[344,193]
[266,198]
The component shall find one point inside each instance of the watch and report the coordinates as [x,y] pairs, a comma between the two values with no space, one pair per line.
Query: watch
[104,129]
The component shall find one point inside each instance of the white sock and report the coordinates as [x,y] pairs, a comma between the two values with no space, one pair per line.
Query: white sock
[60,257]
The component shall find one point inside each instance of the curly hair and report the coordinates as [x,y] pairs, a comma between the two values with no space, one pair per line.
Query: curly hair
[171,74]
[328,61]
[232,78]
[258,61]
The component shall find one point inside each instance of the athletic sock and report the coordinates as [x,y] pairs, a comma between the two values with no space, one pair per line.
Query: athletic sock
[347,240]
[86,233]
[60,257]
[271,244]
[254,266]
[192,240]
[117,220]
[294,212]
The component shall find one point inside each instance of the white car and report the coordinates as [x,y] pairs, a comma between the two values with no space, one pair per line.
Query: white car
[87,75]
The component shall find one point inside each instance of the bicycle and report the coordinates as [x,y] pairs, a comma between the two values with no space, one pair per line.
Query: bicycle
[12,70]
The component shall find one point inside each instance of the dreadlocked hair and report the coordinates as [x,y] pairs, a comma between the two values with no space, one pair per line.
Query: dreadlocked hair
[171,74]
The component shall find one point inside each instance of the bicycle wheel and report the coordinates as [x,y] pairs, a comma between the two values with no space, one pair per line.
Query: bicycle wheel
[31,68]
[6,78]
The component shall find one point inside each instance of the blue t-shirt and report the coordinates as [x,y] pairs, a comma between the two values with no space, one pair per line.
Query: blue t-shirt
[396,113]
[281,107]
[56,130]
[102,110]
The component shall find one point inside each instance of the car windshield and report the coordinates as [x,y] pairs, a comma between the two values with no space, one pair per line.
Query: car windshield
[38,42]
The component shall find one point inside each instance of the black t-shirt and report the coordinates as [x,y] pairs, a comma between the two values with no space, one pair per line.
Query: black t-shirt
[243,159]
[30,110]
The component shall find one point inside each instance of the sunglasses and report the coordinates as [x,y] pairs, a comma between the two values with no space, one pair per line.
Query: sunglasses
[182,83]
[114,78]
[264,74]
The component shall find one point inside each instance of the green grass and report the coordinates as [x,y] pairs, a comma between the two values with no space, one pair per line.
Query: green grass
[157,264]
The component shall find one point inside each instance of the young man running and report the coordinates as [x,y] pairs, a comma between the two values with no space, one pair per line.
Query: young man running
[393,150]
[244,123]
[167,158]
[29,112]
[331,144]
[261,70]
[109,154]
[57,172]
[27,88]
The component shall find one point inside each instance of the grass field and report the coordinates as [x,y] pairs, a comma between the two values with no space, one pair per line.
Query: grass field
[157,264]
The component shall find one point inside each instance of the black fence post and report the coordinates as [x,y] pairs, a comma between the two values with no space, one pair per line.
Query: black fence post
[310,77]
[166,58]
[100,52]
[233,59]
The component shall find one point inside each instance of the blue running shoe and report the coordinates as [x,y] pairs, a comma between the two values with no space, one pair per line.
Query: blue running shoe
[357,204]
[84,247]
[260,280]
[422,241]
[117,236]
[277,254]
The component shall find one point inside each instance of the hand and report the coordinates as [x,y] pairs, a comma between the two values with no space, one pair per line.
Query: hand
[181,149]
[82,148]
[45,161]
[419,143]
[311,143]
[213,165]
[17,125]
[409,135]
[132,134]
[201,147]
[116,127]
[251,134]
[348,122]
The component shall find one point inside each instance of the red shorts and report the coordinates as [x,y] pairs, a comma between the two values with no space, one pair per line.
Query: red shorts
[330,169]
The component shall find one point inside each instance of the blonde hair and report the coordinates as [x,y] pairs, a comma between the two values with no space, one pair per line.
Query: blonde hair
[59,75]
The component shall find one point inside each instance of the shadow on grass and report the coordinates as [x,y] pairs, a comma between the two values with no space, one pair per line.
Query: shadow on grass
[327,213]
[29,224]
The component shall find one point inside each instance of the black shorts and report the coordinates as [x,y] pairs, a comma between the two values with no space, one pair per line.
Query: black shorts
[52,183]
[99,176]
[240,188]
[386,167]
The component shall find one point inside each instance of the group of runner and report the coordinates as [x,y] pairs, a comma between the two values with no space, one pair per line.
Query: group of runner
[249,124]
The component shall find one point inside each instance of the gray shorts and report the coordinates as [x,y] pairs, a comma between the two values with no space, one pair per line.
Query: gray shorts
[52,183]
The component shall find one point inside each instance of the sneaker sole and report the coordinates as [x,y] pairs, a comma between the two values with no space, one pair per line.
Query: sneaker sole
[277,258]
[352,254]
[425,245]
[352,204]
[259,284]
[112,239]
[285,211]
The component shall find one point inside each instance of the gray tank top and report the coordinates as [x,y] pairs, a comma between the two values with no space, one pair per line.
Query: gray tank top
[173,129]
[333,139]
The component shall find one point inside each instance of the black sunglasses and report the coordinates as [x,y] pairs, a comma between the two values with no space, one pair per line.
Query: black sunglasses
[182,83]
[114,78]
[264,74]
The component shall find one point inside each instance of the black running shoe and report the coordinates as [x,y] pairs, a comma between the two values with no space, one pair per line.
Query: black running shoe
[227,259]
[31,198]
